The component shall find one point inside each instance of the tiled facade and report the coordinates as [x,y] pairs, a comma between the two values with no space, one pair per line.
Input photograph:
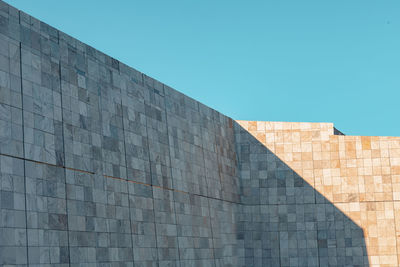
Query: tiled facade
[348,183]
[101,165]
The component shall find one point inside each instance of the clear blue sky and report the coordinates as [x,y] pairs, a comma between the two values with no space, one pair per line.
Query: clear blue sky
[335,61]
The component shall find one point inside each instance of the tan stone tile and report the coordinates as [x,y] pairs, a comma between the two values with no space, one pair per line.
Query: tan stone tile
[366,142]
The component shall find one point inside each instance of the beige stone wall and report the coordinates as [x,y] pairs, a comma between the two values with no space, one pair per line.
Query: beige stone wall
[359,175]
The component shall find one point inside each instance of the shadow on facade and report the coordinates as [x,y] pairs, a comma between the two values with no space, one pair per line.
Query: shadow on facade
[285,221]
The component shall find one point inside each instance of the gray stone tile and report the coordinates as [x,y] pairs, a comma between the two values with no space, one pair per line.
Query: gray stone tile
[143,227]
[98,218]
[134,122]
[194,229]
[13,235]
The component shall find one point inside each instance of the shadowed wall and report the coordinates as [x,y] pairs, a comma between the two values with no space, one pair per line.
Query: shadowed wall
[101,165]
[357,176]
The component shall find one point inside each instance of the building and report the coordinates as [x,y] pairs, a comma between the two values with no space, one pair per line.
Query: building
[101,165]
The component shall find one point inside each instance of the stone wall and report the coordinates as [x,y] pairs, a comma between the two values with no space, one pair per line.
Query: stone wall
[101,165]
[331,197]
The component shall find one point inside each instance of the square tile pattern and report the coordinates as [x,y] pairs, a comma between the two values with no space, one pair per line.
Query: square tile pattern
[349,181]
[101,165]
